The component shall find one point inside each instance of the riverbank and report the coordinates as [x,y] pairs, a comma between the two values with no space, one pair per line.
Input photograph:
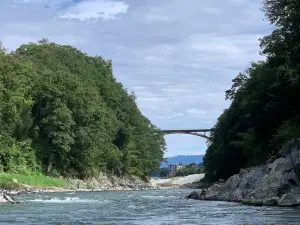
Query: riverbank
[13,184]
[178,181]
[277,182]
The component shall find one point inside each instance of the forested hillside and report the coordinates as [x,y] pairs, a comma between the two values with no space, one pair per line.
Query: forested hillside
[62,113]
[264,112]
[184,159]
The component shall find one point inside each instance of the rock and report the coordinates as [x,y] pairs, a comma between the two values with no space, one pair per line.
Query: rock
[14,192]
[252,202]
[194,195]
[277,182]
[289,200]
[2,199]
[7,199]
[111,182]
[92,184]
[271,201]
[15,180]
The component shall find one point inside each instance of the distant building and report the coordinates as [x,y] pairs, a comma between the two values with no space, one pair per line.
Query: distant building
[180,167]
[174,168]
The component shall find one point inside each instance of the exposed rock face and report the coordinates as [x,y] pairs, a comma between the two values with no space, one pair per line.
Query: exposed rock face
[106,182]
[275,183]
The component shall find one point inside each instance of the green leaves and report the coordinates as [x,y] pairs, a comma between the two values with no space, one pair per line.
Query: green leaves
[283,43]
[79,120]
[17,157]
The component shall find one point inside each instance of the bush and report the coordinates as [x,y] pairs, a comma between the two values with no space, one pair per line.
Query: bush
[189,169]
[17,157]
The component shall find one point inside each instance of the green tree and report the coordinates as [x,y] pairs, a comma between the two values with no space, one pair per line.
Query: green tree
[74,117]
[263,114]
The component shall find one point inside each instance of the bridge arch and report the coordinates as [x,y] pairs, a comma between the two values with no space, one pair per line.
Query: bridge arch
[196,132]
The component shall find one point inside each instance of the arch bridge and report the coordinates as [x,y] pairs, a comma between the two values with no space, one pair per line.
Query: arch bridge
[196,132]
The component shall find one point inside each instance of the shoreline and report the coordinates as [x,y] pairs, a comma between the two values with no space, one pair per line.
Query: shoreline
[40,184]
[58,190]
[8,196]
[92,185]
[106,183]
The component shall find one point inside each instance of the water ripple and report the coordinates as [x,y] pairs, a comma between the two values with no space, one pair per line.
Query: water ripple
[141,208]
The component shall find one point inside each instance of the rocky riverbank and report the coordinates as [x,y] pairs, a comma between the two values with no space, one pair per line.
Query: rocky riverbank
[114,183]
[104,182]
[277,182]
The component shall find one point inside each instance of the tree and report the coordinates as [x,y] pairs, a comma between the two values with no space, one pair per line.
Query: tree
[263,114]
[73,114]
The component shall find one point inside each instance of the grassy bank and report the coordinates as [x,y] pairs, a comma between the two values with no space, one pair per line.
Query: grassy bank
[8,181]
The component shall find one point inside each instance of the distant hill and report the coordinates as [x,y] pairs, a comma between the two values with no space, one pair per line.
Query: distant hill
[184,159]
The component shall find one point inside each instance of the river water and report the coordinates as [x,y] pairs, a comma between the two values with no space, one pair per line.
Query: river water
[137,207]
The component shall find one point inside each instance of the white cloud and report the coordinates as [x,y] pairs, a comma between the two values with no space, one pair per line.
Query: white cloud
[95,9]
[175,115]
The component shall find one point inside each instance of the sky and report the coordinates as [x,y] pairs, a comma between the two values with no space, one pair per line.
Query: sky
[178,56]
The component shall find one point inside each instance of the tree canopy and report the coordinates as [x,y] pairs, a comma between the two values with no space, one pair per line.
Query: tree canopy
[189,169]
[63,113]
[264,113]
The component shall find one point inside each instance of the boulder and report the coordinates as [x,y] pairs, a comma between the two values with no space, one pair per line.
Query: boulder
[7,199]
[289,200]
[194,195]
[270,201]
[2,199]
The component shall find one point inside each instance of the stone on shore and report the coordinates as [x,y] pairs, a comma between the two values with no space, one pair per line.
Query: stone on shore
[7,199]
[289,200]
[2,199]
[194,195]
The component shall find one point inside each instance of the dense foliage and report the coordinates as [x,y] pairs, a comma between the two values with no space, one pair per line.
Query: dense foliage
[161,172]
[63,113]
[264,113]
[189,169]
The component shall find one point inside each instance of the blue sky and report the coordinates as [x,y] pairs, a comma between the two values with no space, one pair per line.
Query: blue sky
[177,56]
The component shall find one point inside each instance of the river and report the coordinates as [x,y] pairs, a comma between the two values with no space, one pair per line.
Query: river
[137,207]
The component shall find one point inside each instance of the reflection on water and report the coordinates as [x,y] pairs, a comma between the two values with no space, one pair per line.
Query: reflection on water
[140,207]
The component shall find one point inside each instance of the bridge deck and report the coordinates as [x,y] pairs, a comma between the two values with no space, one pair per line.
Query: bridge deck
[186,131]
